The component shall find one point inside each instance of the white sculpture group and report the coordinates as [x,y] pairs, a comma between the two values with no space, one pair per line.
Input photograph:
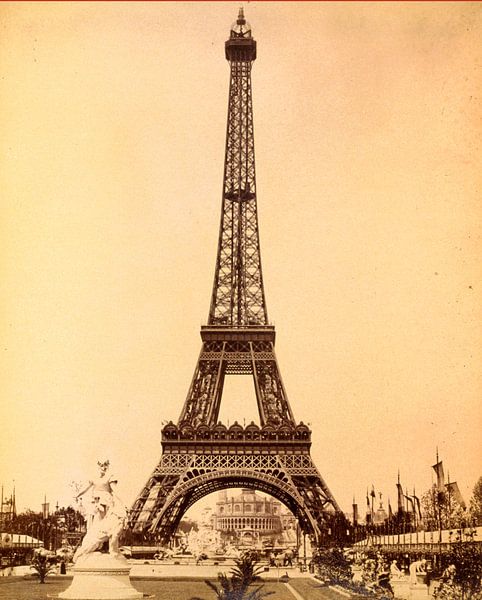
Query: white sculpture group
[105,514]
[412,588]
[97,575]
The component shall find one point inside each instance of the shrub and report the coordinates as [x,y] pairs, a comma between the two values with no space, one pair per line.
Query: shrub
[332,565]
[43,563]
[243,575]
[465,581]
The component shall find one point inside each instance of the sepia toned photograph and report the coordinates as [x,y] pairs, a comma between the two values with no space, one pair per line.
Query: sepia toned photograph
[241,300]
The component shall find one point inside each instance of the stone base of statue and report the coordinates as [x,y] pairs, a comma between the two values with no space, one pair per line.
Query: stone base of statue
[400,587]
[100,576]
[418,591]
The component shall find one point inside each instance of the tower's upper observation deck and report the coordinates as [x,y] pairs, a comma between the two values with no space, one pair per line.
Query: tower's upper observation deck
[240,46]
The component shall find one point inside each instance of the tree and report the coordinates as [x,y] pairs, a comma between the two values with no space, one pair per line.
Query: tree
[441,511]
[476,504]
[43,563]
[464,583]
[63,520]
[430,508]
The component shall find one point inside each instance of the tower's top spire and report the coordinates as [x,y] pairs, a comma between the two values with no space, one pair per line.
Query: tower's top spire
[241,28]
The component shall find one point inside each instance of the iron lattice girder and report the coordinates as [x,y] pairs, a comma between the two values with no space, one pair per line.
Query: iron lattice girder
[196,462]
[239,351]
[238,294]
[180,480]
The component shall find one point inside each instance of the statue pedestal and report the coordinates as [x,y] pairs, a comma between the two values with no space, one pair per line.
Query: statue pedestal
[418,591]
[101,577]
[400,587]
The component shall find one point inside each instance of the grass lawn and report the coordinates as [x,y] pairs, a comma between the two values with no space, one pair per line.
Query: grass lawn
[312,590]
[30,589]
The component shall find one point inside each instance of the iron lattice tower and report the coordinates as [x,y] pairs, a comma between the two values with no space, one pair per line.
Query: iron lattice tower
[199,454]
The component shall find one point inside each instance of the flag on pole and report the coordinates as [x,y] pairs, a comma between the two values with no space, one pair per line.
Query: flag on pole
[416,502]
[390,512]
[355,512]
[14,505]
[453,490]
[409,503]
[439,470]
[400,496]
[368,516]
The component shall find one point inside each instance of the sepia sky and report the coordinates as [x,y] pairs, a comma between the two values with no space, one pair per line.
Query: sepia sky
[368,146]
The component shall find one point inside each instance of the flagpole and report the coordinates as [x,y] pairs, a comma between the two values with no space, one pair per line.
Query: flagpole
[401,511]
[398,511]
[414,511]
[416,516]
[415,523]
[398,533]
[390,522]
[1,513]
[409,518]
[439,513]
[367,518]
[450,503]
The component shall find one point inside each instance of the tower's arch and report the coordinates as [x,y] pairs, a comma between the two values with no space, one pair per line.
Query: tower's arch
[197,486]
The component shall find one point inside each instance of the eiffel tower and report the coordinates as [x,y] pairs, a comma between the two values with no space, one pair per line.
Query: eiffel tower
[201,455]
